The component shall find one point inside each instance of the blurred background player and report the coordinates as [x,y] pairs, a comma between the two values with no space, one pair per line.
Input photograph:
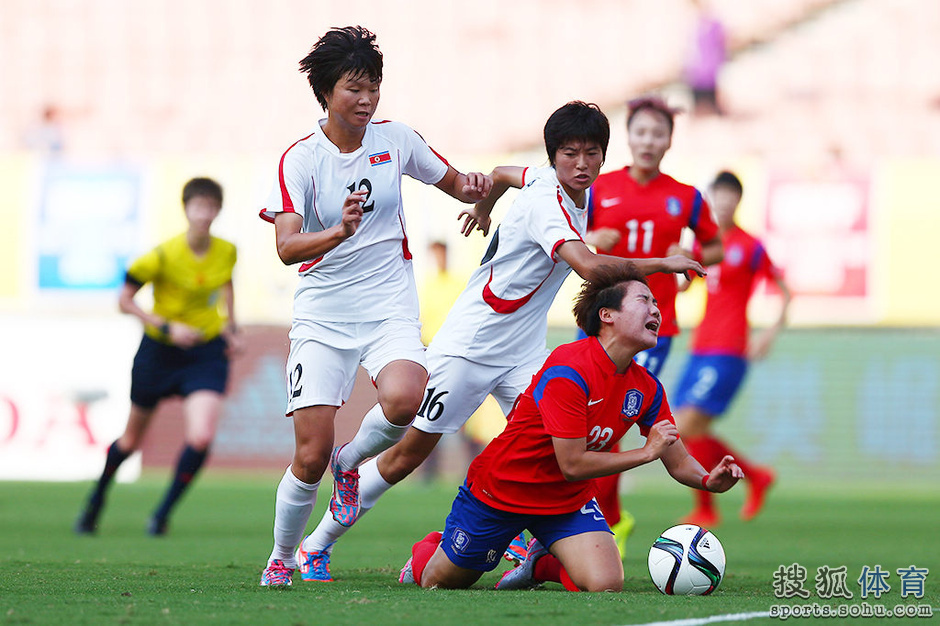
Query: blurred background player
[706,56]
[336,209]
[188,339]
[720,351]
[537,473]
[493,339]
[640,212]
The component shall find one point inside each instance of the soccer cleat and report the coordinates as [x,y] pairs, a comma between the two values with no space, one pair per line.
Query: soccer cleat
[760,481]
[276,574]
[344,505]
[314,566]
[407,576]
[523,575]
[87,522]
[622,531]
[516,550]
[157,526]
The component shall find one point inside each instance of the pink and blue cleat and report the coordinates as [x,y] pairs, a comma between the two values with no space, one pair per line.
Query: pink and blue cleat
[344,505]
[517,549]
[276,574]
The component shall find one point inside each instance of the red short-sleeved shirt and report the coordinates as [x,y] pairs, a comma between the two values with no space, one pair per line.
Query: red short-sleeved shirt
[724,327]
[577,393]
[650,218]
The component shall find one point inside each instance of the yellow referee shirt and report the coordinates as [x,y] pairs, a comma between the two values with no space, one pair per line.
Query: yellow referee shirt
[187,287]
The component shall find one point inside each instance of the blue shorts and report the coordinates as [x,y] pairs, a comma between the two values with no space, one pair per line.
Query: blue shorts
[709,382]
[652,359]
[161,370]
[476,535]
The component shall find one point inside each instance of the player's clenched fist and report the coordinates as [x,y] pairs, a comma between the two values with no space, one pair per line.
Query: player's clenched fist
[662,435]
[352,212]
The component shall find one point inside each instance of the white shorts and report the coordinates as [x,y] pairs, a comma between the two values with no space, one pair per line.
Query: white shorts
[458,387]
[324,357]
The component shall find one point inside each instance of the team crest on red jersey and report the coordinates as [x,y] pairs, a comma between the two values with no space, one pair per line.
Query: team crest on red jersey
[379,157]
[673,206]
[632,404]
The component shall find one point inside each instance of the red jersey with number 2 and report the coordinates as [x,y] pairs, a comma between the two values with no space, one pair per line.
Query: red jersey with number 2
[724,327]
[577,393]
[650,218]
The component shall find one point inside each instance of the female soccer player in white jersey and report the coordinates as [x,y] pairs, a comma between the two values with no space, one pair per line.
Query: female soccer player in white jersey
[336,209]
[493,339]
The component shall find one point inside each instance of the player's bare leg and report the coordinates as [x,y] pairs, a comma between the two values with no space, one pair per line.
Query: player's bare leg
[441,573]
[591,560]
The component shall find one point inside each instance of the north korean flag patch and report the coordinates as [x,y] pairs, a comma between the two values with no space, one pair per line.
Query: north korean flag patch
[379,158]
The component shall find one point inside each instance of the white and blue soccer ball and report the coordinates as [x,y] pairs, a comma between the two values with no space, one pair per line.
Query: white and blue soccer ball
[687,560]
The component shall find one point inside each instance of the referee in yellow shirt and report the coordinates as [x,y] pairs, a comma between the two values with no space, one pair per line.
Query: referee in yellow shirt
[188,338]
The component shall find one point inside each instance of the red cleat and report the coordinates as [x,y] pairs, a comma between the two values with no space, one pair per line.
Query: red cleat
[759,482]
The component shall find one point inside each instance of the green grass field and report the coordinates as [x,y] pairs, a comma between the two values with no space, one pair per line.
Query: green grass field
[207,569]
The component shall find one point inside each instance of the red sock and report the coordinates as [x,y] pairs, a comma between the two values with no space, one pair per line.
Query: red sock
[721,449]
[421,553]
[549,569]
[704,450]
[706,453]
[704,500]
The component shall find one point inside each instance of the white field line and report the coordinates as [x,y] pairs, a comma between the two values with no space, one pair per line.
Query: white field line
[698,621]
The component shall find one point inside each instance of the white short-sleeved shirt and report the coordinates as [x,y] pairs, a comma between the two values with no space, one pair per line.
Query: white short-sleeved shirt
[367,277]
[501,316]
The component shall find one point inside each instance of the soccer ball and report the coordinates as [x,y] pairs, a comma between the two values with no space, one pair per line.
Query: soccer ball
[687,560]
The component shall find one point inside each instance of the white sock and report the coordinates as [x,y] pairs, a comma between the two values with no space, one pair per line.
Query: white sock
[292,507]
[328,531]
[376,434]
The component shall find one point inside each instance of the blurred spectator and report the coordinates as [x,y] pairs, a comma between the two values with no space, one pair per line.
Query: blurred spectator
[46,136]
[706,56]
[439,290]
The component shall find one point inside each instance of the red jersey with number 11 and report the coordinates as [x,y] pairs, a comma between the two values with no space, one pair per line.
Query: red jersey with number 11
[650,218]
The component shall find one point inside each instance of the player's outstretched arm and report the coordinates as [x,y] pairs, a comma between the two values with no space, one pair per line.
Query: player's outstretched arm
[468,188]
[576,254]
[478,218]
[684,468]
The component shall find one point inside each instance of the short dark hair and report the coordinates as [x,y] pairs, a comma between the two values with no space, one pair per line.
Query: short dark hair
[605,290]
[341,51]
[202,187]
[728,180]
[576,121]
[652,103]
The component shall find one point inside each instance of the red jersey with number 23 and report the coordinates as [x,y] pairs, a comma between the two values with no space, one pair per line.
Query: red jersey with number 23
[650,218]
[577,393]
